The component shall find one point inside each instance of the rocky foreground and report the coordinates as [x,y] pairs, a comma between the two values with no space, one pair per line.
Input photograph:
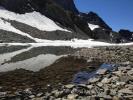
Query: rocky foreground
[105,84]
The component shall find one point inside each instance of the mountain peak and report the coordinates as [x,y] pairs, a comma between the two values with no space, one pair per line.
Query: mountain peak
[67,5]
[23,6]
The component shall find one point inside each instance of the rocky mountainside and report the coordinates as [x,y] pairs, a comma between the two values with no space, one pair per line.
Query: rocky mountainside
[26,16]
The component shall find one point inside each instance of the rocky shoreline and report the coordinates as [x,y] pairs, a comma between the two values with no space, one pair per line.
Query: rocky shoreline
[105,84]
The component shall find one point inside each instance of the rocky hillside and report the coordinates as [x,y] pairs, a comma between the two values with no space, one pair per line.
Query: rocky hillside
[61,17]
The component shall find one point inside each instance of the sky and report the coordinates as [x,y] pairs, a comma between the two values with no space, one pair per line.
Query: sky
[118,14]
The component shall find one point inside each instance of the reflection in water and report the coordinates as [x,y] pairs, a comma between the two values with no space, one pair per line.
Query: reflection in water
[32,64]
[32,58]
[82,77]
[7,56]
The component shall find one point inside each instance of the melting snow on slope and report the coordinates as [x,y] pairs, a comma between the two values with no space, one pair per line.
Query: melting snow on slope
[33,19]
[92,26]
[8,27]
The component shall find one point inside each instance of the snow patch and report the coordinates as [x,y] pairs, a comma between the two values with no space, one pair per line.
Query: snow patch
[92,26]
[33,19]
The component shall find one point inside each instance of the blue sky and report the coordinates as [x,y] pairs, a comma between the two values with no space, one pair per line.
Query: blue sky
[118,14]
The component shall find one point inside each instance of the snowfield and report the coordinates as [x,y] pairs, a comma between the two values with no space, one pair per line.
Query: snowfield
[33,19]
[74,43]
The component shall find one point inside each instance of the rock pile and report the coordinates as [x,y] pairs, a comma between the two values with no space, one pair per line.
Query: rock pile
[112,54]
[114,85]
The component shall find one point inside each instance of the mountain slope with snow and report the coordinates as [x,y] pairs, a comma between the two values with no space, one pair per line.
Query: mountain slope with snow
[33,19]
[40,20]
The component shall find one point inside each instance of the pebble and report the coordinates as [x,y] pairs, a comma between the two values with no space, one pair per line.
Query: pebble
[93,80]
[118,73]
[72,96]
[89,86]
[32,96]
[130,73]
[39,94]
[101,71]
[116,98]
[106,81]
[100,84]
[120,83]
[125,91]
[69,86]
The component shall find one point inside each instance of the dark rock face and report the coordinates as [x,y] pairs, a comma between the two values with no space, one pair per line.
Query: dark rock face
[126,35]
[18,6]
[23,6]
[93,18]
[67,5]
[102,34]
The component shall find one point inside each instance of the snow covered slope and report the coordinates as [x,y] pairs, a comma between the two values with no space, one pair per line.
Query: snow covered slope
[33,19]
